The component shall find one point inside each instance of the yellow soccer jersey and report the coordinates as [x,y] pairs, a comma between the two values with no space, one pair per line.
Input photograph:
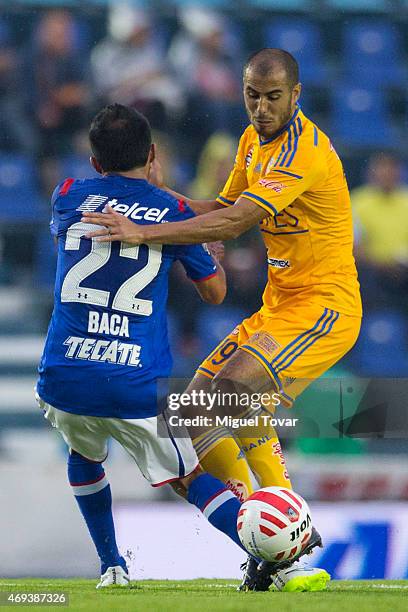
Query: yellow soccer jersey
[298,178]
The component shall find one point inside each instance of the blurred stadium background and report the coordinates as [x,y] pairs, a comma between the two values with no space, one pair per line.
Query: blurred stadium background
[180,63]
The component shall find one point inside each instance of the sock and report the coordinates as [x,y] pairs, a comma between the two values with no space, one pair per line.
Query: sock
[93,495]
[225,461]
[218,504]
[265,458]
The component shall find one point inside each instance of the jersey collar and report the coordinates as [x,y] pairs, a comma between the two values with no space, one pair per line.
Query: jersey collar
[282,130]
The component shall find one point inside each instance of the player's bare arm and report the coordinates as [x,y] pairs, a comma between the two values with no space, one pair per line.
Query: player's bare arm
[213,289]
[200,207]
[224,224]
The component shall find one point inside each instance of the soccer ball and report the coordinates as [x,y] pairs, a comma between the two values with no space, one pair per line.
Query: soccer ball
[274,524]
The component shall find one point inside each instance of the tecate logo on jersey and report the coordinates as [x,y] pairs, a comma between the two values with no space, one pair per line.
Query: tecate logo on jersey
[108,351]
[137,212]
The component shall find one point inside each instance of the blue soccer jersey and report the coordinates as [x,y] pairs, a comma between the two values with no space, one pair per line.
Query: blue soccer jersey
[107,340]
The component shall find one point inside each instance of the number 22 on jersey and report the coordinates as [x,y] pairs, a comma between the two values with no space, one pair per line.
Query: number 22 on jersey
[125,299]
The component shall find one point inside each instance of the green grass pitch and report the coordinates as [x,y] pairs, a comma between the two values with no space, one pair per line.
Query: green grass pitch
[206,595]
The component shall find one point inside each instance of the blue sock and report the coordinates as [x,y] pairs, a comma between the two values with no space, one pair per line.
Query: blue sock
[93,494]
[218,504]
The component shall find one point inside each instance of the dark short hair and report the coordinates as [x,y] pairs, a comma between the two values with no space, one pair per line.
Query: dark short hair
[120,138]
[264,60]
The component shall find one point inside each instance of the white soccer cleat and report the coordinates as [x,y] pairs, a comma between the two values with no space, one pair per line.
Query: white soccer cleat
[114,576]
[299,577]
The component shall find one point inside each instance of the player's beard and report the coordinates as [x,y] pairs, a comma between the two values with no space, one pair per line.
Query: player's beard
[283,118]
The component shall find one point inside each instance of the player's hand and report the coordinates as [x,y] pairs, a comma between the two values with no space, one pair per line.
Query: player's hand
[116,227]
[217,250]
[155,176]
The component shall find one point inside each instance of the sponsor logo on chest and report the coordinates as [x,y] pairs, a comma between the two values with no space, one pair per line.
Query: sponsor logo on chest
[278,263]
[274,185]
[134,211]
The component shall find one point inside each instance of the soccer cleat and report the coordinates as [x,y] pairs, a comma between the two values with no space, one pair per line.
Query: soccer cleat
[252,581]
[114,576]
[260,578]
[299,578]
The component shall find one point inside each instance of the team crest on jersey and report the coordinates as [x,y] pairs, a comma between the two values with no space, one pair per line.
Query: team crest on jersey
[274,185]
[248,157]
[264,341]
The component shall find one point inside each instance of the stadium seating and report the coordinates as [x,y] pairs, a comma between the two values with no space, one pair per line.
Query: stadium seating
[372,53]
[207,4]
[77,166]
[381,349]
[377,6]
[302,38]
[214,324]
[285,5]
[19,196]
[353,109]
[45,259]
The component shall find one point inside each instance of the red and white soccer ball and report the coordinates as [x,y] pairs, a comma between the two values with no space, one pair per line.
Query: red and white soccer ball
[274,524]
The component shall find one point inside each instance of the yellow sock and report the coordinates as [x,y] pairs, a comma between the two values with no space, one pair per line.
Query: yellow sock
[265,458]
[225,461]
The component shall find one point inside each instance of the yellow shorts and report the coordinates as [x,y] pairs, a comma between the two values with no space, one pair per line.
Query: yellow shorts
[295,344]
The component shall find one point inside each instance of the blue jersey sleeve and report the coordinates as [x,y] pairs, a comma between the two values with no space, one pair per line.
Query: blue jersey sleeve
[197,261]
[195,258]
[54,223]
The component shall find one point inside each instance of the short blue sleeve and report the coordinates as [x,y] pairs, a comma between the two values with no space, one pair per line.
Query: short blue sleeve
[54,223]
[196,258]
[197,261]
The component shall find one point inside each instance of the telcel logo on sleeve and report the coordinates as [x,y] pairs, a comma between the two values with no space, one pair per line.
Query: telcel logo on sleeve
[278,187]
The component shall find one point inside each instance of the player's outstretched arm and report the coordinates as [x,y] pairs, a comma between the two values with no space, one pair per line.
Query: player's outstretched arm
[224,224]
[200,207]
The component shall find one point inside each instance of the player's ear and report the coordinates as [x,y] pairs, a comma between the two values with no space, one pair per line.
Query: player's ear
[95,164]
[152,153]
[296,92]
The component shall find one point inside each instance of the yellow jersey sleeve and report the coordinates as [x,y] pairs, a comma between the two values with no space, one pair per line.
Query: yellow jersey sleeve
[280,187]
[237,181]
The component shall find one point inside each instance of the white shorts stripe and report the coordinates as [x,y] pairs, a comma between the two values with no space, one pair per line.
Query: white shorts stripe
[217,502]
[89,489]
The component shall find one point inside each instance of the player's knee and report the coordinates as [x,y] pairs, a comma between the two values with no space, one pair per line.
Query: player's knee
[227,392]
[222,383]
